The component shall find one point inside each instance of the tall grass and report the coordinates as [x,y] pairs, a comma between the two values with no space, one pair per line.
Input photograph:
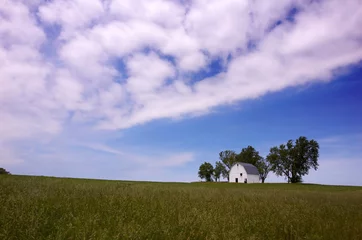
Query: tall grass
[54,208]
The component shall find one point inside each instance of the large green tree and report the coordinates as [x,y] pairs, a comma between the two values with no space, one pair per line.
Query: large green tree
[228,159]
[252,156]
[293,160]
[249,155]
[206,171]
[3,171]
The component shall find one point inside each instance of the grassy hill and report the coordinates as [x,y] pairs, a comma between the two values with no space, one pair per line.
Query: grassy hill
[56,208]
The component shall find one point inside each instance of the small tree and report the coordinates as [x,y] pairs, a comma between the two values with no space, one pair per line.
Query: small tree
[3,171]
[206,171]
[228,158]
[225,173]
[264,169]
[219,170]
[293,160]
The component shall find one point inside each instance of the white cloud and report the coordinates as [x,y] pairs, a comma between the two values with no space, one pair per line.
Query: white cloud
[100,74]
[168,14]
[72,15]
[18,25]
[67,90]
[220,26]
[193,61]
[147,73]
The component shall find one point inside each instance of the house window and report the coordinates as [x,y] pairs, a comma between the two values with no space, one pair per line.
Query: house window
[241,174]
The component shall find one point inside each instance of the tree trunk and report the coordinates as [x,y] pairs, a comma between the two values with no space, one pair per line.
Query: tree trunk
[262,180]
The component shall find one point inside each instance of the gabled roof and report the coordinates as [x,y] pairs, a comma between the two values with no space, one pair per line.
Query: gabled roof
[249,168]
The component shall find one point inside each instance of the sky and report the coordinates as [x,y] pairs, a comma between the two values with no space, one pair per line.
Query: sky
[150,89]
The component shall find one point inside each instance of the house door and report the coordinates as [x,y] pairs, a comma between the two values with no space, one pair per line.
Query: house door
[236,180]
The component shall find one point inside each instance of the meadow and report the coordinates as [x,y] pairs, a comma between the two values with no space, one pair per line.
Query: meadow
[61,208]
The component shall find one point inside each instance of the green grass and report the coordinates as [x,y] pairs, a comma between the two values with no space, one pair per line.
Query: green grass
[55,208]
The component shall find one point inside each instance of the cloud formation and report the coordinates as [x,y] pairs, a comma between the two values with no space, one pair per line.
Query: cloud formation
[114,64]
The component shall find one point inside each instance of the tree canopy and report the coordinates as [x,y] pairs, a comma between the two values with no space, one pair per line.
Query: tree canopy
[206,171]
[219,171]
[228,158]
[249,155]
[293,160]
[3,171]
[264,169]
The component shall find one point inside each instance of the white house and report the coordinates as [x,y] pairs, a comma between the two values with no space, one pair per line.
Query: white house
[244,173]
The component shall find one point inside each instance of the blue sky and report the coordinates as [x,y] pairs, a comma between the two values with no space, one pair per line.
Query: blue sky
[148,90]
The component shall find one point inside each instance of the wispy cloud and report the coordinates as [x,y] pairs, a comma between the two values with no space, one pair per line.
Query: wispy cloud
[342,145]
[89,158]
[330,140]
[84,79]
[116,64]
[158,160]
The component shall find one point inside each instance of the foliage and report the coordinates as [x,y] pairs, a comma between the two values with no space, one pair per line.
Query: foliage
[206,171]
[228,159]
[225,173]
[264,169]
[293,160]
[3,171]
[219,171]
[54,208]
[249,155]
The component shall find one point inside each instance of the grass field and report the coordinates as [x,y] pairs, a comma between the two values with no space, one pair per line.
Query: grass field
[55,208]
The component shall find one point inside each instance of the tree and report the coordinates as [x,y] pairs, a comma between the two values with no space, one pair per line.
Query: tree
[206,171]
[228,158]
[249,155]
[294,160]
[264,169]
[3,171]
[225,172]
[219,170]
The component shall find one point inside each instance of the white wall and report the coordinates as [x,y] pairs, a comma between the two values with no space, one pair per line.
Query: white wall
[235,173]
[253,178]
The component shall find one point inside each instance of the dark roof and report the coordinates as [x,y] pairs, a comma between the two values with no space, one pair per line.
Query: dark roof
[249,168]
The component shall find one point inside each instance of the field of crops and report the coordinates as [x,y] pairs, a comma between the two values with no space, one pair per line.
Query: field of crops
[55,208]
